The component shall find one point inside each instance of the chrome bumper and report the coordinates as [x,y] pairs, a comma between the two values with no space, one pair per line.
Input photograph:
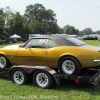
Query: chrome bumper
[96,60]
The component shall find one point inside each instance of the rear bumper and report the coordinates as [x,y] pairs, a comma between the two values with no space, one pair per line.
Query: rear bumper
[96,60]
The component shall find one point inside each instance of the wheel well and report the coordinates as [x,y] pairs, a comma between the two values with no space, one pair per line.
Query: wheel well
[69,56]
[6,58]
[9,72]
[2,54]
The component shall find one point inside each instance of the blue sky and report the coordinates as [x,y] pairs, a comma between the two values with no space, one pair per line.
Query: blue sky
[78,13]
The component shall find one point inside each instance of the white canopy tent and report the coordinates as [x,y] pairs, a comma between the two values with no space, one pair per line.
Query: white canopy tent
[15,36]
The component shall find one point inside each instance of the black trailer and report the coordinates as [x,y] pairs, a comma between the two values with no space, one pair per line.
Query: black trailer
[45,77]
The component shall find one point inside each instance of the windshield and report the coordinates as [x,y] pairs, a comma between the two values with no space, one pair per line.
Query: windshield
[76,41]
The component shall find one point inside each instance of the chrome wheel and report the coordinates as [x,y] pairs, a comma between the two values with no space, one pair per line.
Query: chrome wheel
[42,79]
[18,77]
[68,67]
[3,62]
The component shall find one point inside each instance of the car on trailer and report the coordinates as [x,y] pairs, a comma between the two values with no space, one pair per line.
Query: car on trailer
[64,53]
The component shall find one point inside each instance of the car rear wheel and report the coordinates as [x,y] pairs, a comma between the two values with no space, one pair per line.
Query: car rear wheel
[19,77]
[69,65]
[42,79]
[4,62]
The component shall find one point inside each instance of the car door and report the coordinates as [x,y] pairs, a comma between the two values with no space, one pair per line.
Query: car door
[33,53]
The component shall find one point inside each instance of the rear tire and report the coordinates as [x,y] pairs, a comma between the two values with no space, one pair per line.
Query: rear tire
[69,65]
[43,79]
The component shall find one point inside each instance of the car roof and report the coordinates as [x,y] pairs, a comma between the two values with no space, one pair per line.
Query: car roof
[53,36]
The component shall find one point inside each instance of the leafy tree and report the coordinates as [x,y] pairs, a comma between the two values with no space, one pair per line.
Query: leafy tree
[50,22]
[37,27]
[40,20]
[2,23]
[87,31]
[35,12]
[15,24]
[9,15]
[70,30]
[97,32]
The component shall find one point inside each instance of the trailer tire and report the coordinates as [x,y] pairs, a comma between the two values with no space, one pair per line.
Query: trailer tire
[19,76]
[69,65]
[43,79]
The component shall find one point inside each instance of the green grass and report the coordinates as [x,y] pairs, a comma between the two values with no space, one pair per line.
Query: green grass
[10,44]
[67,90]
[92,42]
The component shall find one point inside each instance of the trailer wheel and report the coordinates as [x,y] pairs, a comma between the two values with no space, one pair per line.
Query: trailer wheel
[42,79]
[19,77]
[69,65]
[4,62]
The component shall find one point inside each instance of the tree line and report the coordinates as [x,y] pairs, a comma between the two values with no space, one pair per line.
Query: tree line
[36,20]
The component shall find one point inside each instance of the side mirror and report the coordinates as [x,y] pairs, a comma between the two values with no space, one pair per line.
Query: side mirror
[21,45]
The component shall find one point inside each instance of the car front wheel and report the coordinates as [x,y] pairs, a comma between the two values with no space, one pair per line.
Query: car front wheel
[4,62]
[69,65]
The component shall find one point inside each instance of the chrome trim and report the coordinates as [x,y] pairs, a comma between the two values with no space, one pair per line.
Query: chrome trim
[96,60]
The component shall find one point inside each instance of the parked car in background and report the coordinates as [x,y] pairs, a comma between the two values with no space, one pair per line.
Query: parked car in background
[90,38]
[2,41]
[11,40]
[8,41]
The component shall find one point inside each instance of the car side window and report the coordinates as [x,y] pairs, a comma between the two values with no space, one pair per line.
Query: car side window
[38,43]
[51,44]
[35,43]
[41,43]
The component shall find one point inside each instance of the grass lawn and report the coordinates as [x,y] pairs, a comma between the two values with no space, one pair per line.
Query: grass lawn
[10,44]
[67,90]
[92,42]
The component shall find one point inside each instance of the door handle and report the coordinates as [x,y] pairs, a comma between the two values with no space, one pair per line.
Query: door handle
[45,52]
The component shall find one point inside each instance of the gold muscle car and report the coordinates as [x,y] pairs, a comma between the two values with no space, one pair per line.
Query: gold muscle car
[65,53]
